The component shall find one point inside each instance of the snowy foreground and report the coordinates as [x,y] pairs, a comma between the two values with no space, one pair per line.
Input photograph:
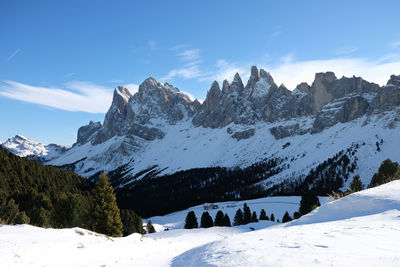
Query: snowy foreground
[360,229]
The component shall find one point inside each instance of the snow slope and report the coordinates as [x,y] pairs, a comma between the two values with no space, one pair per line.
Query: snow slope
[360,229]
[185,147]
[346,232]
[276,205]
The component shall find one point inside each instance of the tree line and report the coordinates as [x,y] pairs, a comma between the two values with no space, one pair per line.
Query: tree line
[47,196]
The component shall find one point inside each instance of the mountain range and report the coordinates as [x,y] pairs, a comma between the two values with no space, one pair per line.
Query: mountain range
[160,148]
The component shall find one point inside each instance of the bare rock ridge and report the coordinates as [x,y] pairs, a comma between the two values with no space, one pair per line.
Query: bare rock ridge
[328,100]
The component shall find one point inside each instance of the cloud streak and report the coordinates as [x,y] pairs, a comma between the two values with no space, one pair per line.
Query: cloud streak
[190,54]
[76,96]
[13,55]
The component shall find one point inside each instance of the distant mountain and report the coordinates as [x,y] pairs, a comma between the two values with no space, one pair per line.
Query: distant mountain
[25,147]
[164,151]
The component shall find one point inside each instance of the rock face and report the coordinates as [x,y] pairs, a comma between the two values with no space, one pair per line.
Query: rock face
[140,115]
[328,100]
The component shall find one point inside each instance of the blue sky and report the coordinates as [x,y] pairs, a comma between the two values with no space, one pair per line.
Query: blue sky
[60,60]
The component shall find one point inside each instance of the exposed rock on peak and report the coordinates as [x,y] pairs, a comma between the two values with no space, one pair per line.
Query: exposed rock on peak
[237,84]
[225,86]
[264,74]
[328,76]
[86,131]
[254,77]
[394,80]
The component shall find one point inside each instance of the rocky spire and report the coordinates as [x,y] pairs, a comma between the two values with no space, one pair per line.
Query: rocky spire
[225,86]
[237,84]
[119,106]
[254,77]
[394,80]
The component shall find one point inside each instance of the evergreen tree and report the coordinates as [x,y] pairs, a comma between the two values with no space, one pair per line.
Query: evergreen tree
[219,219]
[150,228]
[106,211]
[308,202]
[238,220]
[21,218]
[272,217]
[296,215]
[191,221]
[263,215]
[388,171]
[246,214]
[132,223]
[254,217]
[286,217]
[206,220]
[227,221]
[356,185]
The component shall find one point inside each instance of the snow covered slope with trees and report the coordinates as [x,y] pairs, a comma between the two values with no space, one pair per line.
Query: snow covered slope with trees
[243,141]
[362,228]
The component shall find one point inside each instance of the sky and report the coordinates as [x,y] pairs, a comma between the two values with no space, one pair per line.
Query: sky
[61,60]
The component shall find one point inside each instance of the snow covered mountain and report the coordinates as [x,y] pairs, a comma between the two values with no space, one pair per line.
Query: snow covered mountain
[243,141]
[25,147]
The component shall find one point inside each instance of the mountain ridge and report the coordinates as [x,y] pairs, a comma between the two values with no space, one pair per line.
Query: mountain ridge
[268,139]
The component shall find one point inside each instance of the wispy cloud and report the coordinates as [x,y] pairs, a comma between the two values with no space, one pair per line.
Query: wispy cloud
[345,50]
[191,68]
[275,34]
[294,72]
[69,74]
[187,71]
[179,47]
[153,45]
[76,96]
[225,70]
[13,55]
[115,81]
[395,44]
[190,54]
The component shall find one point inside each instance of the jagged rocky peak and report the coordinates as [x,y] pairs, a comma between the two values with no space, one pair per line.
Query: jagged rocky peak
[86,131]
[119,109]
[237,84]
[225,86]
[394,80]
[213,96]
[303,87]
[160,101]
[254,77]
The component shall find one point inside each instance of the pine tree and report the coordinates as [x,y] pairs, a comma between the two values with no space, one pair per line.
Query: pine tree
[238,220]
[272,217]
[308,202]
[191,221]
[132,223]
[106,211]
[254,217]
[286,217]
[386,173]
[227,221]
[150,228]
[296,215]
[263,215]
[356,185]
[206,220]
[246,214]
[219,219]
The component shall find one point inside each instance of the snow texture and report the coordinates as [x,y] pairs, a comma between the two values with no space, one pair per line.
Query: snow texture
[360,229]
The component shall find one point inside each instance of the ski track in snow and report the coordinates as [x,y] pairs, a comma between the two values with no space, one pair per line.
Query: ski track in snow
[360,229]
